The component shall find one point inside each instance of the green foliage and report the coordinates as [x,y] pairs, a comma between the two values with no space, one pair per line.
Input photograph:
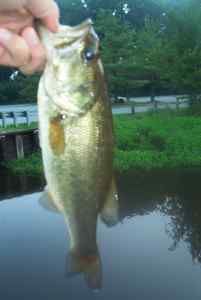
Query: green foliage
[31,165]
[21,90]
[165,52]
[72,12]
[154,46]
[157,141]
[29,88]
[182,34]
[8,91]
[119,64]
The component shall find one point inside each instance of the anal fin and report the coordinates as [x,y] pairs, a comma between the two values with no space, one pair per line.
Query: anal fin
[110,211]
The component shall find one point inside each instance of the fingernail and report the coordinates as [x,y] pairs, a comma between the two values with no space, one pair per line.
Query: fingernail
[5,35]
[31,38]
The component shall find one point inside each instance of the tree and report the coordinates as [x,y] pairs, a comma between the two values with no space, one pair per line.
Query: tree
[183,31]
[117,47]
[150,54]
[144,44]
[134,12]
[29,88]
[21,90]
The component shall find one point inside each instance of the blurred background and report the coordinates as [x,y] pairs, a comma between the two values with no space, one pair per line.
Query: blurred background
[149,48]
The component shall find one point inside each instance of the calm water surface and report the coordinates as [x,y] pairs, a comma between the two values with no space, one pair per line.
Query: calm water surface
[154,252]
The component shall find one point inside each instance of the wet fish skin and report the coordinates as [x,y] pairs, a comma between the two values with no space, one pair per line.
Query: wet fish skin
[76,137]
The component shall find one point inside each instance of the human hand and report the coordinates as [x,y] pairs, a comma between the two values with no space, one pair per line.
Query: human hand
[20,46]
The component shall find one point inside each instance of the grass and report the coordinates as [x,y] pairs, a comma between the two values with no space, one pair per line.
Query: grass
[10,128]
[145,142]
[156,141]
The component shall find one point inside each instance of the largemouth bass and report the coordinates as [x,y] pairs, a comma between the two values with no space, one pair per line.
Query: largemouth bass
[76,138]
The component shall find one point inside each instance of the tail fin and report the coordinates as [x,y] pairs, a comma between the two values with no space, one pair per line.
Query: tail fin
[89,266]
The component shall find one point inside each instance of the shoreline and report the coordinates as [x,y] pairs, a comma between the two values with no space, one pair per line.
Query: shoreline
[144,143]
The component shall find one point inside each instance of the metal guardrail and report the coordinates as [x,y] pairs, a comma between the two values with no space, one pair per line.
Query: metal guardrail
[4,116]
[154,105]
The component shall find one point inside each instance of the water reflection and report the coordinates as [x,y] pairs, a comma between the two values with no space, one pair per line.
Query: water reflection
[158,213]
[12,185]
[175,194]
[83,255]
[184,208]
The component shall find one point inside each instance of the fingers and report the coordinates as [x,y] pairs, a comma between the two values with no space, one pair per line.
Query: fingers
[16,20]
[14,50]
[1,50]
[19,43]
[47,11]
[24,52]
[12,4]
[38,55]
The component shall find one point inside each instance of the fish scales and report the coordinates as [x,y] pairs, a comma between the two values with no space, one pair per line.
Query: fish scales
[76,137]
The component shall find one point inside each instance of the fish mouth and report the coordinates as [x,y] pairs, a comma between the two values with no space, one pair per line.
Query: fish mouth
[68,35]
[65,33]
[72,33]
[69,38]
[76,31]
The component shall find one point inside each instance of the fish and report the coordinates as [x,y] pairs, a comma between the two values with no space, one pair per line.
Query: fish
[77,141]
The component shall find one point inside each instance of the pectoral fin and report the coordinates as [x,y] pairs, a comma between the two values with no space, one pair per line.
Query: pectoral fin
[47,202]
[110,210]
[56,136]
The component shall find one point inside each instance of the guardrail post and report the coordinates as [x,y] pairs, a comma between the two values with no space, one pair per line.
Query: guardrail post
[3,117]
[26,114]
[155,105]
[36,143]
[132,108]
[19,146]
[14,115]
[177,104]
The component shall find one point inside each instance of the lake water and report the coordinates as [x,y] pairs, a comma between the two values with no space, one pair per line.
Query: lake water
[154,252]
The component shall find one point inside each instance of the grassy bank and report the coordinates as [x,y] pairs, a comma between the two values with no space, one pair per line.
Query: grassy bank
[145,142]
[11,128]
[157,141]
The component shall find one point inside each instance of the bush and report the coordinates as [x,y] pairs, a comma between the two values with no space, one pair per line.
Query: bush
[31,165]
[157,141]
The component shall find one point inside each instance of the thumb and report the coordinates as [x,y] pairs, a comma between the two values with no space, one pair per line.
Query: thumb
[47,11]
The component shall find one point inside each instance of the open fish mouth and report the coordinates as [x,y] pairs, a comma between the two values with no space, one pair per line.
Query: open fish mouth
[75,31]
[69,37]
[66,35]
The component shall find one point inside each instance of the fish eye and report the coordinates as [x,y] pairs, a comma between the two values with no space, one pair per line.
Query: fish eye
[89,55]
